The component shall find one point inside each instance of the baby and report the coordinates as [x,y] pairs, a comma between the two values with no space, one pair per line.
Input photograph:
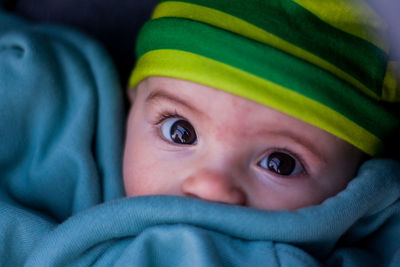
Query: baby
[271,105]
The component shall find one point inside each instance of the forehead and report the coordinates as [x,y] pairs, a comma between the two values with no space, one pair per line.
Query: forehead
[202,97]
[231,118]
[224,108]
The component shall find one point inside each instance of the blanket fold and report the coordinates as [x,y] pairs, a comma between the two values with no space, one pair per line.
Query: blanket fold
[163,229]
[59,98]
[61,130]
[61,118]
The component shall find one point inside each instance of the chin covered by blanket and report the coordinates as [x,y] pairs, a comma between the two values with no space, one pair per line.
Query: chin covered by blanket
[358,227]
[61,128]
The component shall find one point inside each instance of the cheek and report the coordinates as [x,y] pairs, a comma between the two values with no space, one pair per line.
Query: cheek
[137,172]
[287,197]
[147,170]
[341,170]
[139,167]
[337,179]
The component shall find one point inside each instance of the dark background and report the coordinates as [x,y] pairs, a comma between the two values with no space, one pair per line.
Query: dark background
[116,23]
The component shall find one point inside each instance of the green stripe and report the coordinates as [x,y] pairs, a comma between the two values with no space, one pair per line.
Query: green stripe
[293,23]
[265,62]
[354,17]
[192,67]
[236,25]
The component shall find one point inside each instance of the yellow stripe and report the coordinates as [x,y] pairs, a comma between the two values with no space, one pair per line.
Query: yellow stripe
[391,84]
[352,16]
[195,68]
[241,27]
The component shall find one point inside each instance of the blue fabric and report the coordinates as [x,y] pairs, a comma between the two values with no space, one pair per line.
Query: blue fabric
[115,23]
[358,227]
[61,132]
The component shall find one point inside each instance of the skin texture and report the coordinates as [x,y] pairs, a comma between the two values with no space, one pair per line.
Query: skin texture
[235,138]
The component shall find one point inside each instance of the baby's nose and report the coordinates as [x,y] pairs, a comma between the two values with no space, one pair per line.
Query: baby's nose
[214,186]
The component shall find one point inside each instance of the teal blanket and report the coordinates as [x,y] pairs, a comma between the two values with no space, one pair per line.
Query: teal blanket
[61,197]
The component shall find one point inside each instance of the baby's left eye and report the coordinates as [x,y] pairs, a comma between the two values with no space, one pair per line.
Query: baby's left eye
[281,163]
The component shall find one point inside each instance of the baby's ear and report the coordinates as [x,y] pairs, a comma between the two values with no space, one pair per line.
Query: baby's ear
[131,93]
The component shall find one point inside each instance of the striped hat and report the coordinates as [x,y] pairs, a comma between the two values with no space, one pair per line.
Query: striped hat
[323,62]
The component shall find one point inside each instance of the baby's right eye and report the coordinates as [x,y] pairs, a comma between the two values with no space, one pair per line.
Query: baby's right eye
[281,163]
[179,131]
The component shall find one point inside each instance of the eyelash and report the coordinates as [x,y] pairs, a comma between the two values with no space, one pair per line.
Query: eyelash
[301,161]
[296,156]
[168,114]
[164,115]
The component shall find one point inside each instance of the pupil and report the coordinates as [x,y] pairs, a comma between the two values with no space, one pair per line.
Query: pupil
[182,132]
[281,163]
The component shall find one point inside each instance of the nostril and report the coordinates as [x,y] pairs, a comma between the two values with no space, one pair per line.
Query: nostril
[201,197]
[191,195]
[238,197]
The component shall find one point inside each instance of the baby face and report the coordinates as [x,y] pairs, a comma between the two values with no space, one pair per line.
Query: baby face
[191,140]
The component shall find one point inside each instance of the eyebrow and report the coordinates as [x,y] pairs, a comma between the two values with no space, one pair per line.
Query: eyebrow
[307,144]
[160,94]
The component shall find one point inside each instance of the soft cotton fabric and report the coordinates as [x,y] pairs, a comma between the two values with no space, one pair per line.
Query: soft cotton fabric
[61,130]
[114,23]
[358,227]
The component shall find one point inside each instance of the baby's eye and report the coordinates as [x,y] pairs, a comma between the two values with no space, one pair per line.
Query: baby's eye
[281,163]
[179,131]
